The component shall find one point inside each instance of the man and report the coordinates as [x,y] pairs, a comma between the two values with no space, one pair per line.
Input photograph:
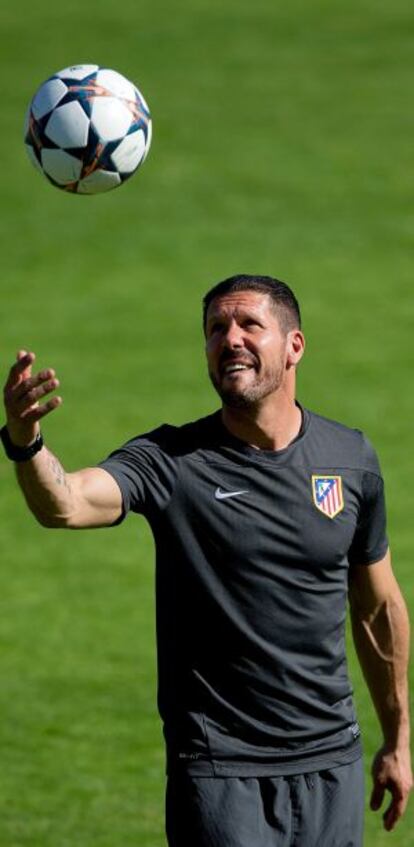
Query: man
[263,515]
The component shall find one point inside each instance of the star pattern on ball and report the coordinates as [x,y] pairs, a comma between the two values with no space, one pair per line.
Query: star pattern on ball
[88,129]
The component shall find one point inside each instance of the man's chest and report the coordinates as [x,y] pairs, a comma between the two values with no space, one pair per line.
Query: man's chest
[300,515]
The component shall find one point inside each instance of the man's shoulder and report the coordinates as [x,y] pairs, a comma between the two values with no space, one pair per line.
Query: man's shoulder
[336,428]
[344,443]
[180,439]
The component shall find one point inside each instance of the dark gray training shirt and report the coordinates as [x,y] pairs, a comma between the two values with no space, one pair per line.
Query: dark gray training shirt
[253,550]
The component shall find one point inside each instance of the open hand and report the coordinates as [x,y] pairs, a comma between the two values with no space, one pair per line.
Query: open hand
[22,393]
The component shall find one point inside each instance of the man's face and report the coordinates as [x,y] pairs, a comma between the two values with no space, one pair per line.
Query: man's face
[246,348]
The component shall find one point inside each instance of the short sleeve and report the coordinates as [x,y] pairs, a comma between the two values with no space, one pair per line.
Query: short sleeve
[145,474]
[370,542]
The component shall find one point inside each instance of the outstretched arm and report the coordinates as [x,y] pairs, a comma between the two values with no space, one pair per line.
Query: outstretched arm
[381,634]
[86,498]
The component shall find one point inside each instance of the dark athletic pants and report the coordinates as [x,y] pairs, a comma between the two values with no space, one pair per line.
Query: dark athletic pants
[323,809]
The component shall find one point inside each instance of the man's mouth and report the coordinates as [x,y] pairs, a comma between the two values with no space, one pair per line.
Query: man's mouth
[235,366]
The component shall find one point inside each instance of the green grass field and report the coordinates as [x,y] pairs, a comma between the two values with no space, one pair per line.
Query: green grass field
[283,144]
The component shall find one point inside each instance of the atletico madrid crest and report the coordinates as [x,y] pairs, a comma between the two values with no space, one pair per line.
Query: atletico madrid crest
[327,494]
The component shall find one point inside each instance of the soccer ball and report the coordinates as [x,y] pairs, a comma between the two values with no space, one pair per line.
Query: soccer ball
[87,129]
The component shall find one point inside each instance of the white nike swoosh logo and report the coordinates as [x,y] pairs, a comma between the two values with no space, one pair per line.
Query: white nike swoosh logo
[223,495]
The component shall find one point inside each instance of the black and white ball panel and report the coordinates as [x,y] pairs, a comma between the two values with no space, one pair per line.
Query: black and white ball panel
[88,129]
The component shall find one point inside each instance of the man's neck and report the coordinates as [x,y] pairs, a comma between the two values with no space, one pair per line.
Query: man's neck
[271,426]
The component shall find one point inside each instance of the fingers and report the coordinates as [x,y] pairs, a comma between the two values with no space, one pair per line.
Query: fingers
[377,796]
[30,390]
[21,369]
[395,810]
[37,412]
[391,772]
[23,391]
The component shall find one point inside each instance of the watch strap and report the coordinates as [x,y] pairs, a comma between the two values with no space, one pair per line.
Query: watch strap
[20,454]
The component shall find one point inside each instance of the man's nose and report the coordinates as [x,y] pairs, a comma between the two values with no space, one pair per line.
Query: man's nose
[234,336]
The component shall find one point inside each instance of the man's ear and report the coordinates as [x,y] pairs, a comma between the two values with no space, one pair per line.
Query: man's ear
[295,347]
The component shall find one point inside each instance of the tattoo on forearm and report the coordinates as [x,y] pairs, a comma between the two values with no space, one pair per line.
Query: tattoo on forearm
[57,470]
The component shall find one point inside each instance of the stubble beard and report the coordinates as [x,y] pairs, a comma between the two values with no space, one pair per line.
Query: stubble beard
[250,396]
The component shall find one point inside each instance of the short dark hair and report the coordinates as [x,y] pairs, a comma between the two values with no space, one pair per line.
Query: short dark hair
[283,298]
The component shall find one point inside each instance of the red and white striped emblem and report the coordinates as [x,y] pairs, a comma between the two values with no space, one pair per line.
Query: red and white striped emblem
[327,494]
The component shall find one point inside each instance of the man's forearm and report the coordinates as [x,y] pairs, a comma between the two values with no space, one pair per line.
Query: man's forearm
[382,642]
[47,488]
[86,498]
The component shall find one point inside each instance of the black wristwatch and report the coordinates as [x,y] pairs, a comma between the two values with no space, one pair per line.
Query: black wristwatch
[20,454]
